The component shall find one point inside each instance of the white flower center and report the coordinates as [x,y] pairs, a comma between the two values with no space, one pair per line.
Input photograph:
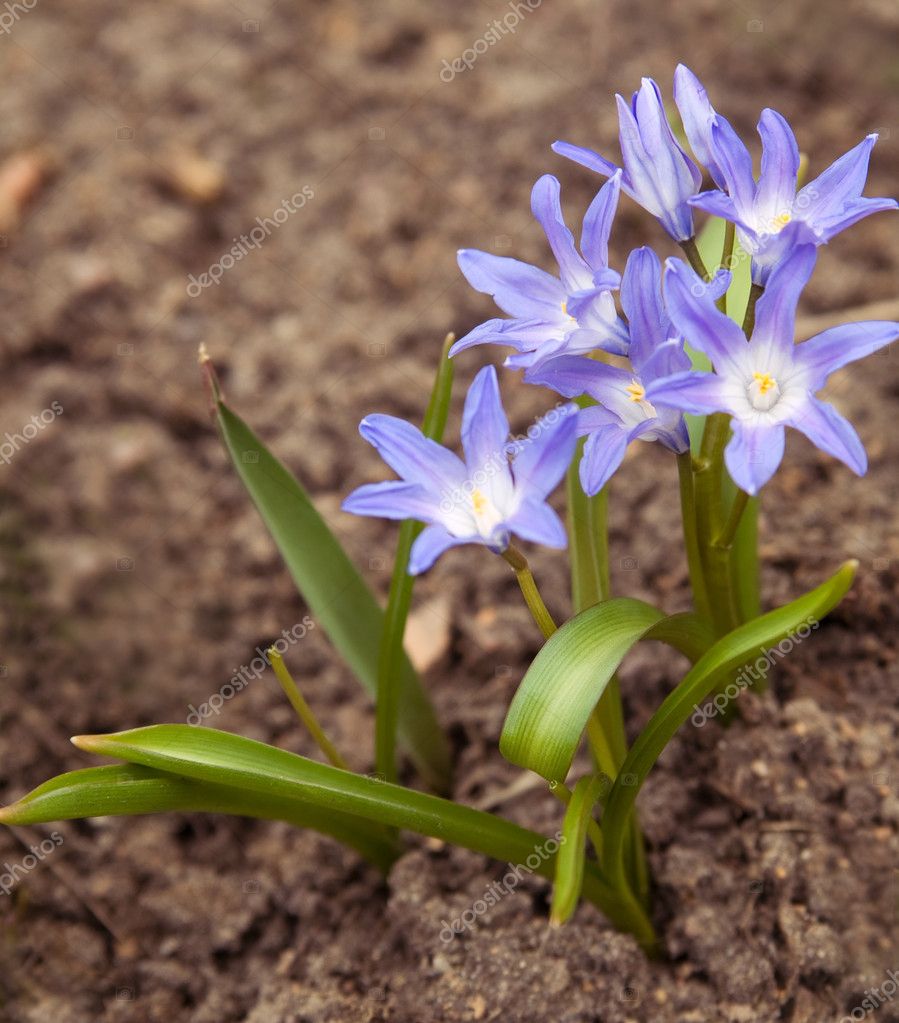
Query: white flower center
[486,515]
[763,391]
[636,393]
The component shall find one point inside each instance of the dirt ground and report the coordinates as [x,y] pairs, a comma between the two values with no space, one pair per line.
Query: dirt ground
[137,142]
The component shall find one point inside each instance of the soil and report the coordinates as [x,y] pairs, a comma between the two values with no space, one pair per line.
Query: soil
[136,575]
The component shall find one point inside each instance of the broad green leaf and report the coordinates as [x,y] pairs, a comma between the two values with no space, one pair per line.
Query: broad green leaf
[549,711]
[229,760]
[129,790]
[572,852]
[280,781]
[733,651]
[391,653]
[335,592]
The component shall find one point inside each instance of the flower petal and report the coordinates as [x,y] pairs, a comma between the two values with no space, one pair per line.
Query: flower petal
[542,460]
[546,206]
[719,204]
[832,349]
[831,432]
[411,455]
[692,310]
[586,158]
[775,312]
[574,375]
[519,289]
[537,522]
[393,499]
[697,115]
[842,182]
[780,165]
[598,225]
[850,214]
[735,164]
[429,545]
[697,393]
[603,454]
[485,434]
[753,454]
[641,300]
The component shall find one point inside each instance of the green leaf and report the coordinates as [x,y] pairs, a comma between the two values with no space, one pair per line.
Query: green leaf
[391,653]
[549,712]
[280,781]
[335,592]
[129,790]
[572,850]
[733,651]
[225,759]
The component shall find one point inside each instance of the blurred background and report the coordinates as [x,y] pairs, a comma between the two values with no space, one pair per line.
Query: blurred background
[141,146]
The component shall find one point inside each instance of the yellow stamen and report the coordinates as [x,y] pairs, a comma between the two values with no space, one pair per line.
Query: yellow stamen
[765,381]
[636,391]
[479,501]
[781,221]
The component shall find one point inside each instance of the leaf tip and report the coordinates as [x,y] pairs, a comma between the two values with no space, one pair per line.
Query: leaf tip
[85,742]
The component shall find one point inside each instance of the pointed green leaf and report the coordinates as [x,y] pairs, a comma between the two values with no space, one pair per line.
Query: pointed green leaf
[572,851]
[733,651]
[131,789]
[399,600]
[549,712]
[335,592]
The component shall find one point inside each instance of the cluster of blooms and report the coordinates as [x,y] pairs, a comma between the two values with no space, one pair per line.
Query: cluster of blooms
[764,382]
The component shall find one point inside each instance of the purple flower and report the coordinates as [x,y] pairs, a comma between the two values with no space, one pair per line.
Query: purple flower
[698,117]
[767,383]
[657,173]
[484,499]
[574,312]
[624,413]
[772,218]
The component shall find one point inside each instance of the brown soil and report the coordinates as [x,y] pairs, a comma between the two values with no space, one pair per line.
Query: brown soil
[135,574]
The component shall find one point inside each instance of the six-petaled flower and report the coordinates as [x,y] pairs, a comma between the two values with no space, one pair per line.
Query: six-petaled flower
[767,383]
[574,312]
[499,489]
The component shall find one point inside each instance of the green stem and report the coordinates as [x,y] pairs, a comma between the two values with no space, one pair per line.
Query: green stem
[691,536]
[399,600]
[709,481]
[691,251]
[755,293]
[727,536]
[529,590]
[730,237]
[303,710]
[561,791]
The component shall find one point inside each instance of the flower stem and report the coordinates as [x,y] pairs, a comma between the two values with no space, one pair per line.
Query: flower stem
[727,536]
[716,562]
[304,711]
[691,536]
[755,293]
[727,252]
[529,590]
[691,251]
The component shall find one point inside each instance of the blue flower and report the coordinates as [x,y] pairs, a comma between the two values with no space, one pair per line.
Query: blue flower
[624,413]
[767,383]
[500,488]
[574,312]
[657,173]
[771,217]
[698,117]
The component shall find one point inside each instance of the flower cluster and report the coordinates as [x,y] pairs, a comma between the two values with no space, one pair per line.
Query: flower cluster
[627,361]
